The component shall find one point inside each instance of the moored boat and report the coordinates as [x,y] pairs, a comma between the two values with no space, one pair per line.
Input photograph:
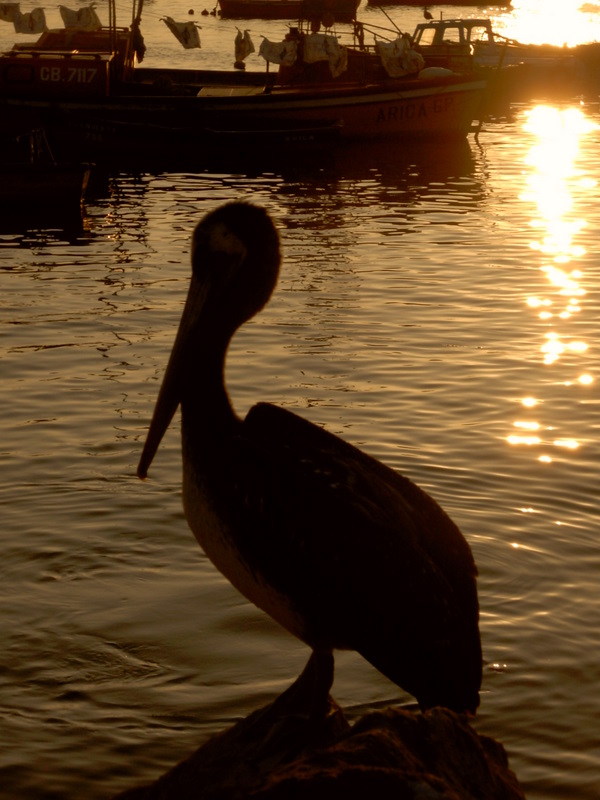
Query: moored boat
[92,98]
[453,41]
[342,10]
[518,71]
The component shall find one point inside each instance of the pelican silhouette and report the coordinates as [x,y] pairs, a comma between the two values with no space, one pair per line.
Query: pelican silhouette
[340,549]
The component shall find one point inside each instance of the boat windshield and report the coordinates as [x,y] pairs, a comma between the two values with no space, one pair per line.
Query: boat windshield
[481,33]
[454,32]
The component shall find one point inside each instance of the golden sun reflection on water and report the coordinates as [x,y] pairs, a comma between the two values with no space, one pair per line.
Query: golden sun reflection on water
[555,186]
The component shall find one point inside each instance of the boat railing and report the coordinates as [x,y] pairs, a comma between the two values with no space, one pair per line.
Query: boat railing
[53,55]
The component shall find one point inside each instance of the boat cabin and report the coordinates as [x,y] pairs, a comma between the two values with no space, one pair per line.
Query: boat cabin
[452,42]
[437,33]
[68,63]
[456,43]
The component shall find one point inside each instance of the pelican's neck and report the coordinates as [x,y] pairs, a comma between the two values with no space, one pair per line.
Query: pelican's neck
[207,417]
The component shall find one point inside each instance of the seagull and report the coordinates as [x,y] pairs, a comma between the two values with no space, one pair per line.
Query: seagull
[340,549]
[427,13]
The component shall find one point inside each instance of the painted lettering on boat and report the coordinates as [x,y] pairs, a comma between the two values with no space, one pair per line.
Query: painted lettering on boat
[56,74]
[414,110]
[407,111]
[443,103]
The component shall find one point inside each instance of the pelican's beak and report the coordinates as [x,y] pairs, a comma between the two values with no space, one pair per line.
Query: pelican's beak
[169,395]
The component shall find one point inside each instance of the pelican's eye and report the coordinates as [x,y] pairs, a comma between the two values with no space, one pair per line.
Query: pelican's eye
[216,252]
[223,240]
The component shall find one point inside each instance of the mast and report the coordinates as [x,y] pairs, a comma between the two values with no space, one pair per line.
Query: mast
[112,26]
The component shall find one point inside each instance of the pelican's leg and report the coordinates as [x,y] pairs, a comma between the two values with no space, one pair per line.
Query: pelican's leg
[303,714]
[309,694]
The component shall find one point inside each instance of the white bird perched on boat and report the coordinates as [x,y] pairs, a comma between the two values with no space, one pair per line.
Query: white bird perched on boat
[340,549]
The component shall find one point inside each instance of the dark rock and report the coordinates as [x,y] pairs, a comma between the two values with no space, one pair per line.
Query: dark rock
[277,753]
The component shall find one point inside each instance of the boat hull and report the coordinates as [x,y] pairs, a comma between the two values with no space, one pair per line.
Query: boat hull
[342,10]
[256,115]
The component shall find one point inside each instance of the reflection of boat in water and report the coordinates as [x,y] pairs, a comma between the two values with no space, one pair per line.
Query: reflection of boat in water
[342,10]
[33,181]
[515,71]
[354,174]
[29,186]
[382,164]
[84,90]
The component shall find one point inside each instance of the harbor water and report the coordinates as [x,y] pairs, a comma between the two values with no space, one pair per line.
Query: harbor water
[437,306]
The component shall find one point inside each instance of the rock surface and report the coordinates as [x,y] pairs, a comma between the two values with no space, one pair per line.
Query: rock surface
[277,753]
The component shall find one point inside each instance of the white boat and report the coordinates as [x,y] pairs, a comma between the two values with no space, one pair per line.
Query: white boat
[525,71]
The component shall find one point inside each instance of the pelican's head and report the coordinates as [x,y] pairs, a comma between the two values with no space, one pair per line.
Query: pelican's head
[235,264]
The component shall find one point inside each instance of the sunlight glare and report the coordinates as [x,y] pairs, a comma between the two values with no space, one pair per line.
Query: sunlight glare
[527,440]
[528,426]
[553,348]
[564,281]
[553,184]
[557,22]
[571,444]
[552,160]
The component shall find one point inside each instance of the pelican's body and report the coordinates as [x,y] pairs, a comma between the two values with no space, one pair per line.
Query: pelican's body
[341,550]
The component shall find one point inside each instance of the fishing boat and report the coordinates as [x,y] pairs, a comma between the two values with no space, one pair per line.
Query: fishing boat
[456,41]
[90,95]
[343,10]
[514,70]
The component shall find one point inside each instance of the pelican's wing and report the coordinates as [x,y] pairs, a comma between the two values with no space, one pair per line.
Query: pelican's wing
[367,557]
